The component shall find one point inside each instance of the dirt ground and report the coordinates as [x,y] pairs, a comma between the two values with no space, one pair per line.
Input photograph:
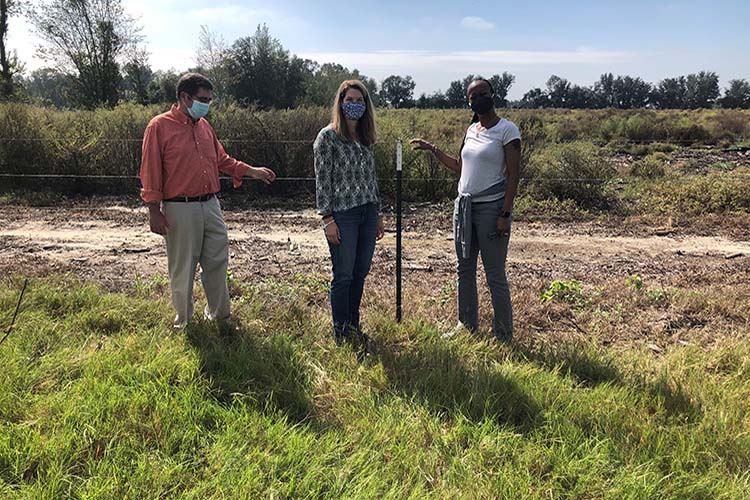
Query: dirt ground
[111,244]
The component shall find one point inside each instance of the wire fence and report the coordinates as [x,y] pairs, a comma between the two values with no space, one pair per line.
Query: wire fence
[613,140]
[424,178]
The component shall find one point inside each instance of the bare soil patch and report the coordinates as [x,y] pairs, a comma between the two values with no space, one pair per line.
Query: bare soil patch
[113,246]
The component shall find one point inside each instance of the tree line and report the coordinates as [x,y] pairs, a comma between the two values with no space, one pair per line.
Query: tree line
[99,61]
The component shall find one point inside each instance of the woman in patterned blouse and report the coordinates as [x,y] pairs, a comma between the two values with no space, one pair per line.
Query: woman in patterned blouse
[348,199]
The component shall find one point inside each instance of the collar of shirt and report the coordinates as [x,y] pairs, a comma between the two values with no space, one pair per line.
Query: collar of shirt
[181,117]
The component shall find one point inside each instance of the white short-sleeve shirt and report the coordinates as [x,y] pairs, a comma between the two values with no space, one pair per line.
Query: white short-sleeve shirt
[483,158]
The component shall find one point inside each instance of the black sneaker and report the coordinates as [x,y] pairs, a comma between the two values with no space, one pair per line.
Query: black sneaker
[362,341]
[341,333]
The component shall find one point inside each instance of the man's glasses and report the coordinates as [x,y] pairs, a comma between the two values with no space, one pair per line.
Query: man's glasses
[205,100]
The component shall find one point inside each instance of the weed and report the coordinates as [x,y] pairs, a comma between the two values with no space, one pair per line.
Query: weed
[566,291]
[634,281]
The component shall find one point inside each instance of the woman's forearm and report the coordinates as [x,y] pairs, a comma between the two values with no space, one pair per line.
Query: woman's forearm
[513,172]
[510,192]
[447,160]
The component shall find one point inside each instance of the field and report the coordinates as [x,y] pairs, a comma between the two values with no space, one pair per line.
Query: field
[629,376]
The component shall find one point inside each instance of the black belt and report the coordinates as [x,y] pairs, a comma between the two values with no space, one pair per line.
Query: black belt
[186,199]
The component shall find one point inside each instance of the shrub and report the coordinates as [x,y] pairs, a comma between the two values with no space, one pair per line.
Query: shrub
[650,167]
[686,130]
[713,193]
[662,147]
[38,140]
[643,127]
[575,171]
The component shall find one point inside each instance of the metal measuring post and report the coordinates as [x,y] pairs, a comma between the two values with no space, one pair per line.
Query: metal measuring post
[399,161]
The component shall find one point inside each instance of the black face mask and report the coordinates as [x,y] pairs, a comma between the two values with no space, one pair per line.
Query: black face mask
[482,104]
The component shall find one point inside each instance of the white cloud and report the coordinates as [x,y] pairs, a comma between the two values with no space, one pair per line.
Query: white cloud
[476,23]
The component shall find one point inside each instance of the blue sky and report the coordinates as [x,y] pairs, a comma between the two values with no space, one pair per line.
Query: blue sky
[439,41]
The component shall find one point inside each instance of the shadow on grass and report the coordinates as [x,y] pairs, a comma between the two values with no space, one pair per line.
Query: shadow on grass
[585,364]
[582,362]
[434,373]
[241,365]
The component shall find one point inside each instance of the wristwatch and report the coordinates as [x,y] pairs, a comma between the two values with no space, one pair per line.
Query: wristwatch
[506,215]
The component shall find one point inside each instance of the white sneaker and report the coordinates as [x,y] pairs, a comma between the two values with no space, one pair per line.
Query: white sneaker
[454,331]
[177,325]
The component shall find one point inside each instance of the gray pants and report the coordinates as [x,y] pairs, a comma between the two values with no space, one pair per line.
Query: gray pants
[197,234]
[494,250]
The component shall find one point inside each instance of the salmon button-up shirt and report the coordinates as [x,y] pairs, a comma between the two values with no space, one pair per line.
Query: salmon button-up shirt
[183,158]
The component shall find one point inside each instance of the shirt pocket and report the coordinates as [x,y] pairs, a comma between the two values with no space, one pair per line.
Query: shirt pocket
[205,145]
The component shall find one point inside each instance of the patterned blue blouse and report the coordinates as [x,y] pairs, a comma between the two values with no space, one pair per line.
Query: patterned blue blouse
[344,173]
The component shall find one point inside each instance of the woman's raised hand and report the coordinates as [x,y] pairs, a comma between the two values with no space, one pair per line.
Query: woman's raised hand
[421,145]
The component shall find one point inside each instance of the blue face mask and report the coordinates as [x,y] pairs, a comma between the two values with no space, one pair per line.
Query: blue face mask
[354,110]
[198,109]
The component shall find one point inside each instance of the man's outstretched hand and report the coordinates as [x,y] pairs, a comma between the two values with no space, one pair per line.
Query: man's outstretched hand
[262,174]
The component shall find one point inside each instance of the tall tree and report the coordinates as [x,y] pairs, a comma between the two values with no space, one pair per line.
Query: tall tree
[630,92]
[456,94]
[701,90]
[581,97]
[604,91]
[501,84]
[163,87]
[87,38]
[326,78]
[436,100]
[737,95]
[137,76]
[558,90]
[212,58]
[623,92]
[10,66]
[535,99]
[670,93]
[263,73]
[398,91]
[48,86]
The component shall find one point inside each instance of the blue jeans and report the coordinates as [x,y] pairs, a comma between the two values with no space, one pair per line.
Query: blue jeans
[351,261]
[494,250]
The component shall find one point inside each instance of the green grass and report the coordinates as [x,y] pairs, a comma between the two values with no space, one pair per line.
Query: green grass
[98,399]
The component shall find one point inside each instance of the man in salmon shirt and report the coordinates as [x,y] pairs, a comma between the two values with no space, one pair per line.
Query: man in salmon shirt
[180,169]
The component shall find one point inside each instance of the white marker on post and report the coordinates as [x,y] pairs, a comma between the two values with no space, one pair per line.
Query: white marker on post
[399,156]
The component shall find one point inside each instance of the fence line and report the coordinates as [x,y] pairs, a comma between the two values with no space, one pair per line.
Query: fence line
[134,140]
[616,180]
[309,142]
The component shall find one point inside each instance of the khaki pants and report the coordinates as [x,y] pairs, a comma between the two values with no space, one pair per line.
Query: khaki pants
[197,235]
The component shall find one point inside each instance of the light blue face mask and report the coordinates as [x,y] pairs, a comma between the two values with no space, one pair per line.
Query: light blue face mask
[198,109]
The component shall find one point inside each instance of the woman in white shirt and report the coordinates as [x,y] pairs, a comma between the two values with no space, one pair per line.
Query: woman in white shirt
[489,164]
